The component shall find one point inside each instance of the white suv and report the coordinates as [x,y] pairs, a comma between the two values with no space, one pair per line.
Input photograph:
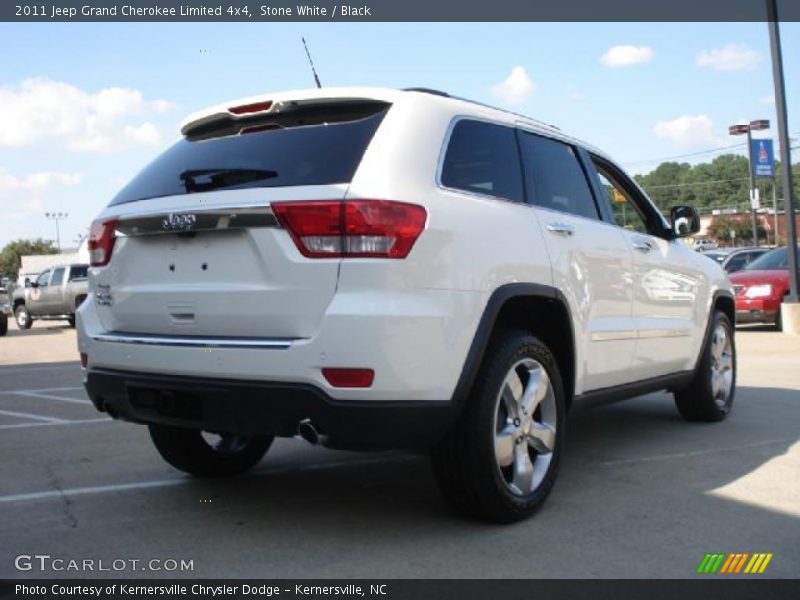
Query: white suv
[372,268]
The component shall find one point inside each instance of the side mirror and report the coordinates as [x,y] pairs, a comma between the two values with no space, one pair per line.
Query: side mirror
[34,284]
[684,220]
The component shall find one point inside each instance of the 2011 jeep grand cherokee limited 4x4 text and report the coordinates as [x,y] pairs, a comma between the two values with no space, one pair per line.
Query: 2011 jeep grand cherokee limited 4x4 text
[375,269]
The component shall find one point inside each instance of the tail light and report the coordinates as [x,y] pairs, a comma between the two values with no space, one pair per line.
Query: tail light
[352,378]
[101,241]
[353,228]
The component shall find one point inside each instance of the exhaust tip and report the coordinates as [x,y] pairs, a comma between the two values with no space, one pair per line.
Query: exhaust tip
[307,431]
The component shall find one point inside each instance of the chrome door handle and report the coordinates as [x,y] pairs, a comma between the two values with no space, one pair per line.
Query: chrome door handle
[642,246]
[561,229]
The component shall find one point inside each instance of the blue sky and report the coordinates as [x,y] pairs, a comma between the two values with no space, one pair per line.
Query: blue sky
[84,106]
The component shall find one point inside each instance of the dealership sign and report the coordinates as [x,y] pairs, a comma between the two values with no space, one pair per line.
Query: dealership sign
[763,158]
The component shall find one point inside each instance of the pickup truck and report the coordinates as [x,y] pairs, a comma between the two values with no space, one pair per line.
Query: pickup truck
[5,310]
[56,294]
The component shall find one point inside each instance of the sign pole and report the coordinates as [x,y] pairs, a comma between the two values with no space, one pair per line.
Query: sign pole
[786,159]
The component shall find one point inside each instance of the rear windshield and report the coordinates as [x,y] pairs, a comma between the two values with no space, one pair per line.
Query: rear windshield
[317,154]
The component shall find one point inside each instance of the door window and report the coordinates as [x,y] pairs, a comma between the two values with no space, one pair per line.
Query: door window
[58,277]
[482,158]
[42,279]
[624,210]
[555,178]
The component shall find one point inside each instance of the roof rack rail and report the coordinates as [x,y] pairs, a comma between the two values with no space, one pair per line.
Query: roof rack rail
[510,112]
[425,90]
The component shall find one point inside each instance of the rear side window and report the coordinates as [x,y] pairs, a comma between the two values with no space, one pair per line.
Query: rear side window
[58,277]
[78,272]
[555,178]
[483,158]
[271,155]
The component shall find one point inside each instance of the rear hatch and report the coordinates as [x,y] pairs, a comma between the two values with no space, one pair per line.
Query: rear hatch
[197,248]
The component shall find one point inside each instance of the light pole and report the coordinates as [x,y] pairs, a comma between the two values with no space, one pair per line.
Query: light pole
[748,128]
[57,216]
[786,160]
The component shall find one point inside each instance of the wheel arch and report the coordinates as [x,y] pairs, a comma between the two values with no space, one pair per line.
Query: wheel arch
[540,309]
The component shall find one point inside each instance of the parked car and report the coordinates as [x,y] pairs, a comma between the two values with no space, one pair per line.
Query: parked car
[739,258]
[718,254]
[760,288]
[371,268]
[703,244]
[54,295]
[5,311]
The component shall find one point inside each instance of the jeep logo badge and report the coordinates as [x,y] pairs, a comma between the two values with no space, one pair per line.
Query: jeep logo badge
[183,222]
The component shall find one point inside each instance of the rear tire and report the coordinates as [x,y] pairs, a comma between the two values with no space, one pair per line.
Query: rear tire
[3,325]
[500,459]
[189,451]
[709,397]
[71,321]
[23,317]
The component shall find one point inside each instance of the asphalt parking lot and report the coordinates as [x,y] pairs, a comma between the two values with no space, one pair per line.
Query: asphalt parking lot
[641,493]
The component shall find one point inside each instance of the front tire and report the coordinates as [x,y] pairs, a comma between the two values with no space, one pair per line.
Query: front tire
[3,325]
[190,451]
[500,460]
[23,317]
[709,397]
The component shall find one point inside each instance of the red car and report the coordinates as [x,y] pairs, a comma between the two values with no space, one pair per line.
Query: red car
[760,288]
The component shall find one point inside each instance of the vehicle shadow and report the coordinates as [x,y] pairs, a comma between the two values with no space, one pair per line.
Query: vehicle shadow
[46,330]
[634,476]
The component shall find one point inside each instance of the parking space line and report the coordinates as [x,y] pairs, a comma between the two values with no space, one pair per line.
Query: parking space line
[624,461]
[15,369]
[41,390]
[11,413]
[63,422]
[51,397]
[143,485]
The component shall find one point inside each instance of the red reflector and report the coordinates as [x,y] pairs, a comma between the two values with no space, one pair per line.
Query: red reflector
[101,241]
[84,360]
[353,228]
[353,378]
[251,108]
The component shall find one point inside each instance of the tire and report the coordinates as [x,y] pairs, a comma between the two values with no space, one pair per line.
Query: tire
[71,321]
[22,316]
[703,399]
[3,325]
[188,451]
[778,323]
[498,463]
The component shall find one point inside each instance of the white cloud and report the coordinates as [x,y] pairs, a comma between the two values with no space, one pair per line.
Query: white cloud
[516,88]
[732,57]
[687,130]
[625,56]
[43,111]
[21,197]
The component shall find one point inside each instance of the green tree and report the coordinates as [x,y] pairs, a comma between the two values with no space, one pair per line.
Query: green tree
[720,230]
[10,255]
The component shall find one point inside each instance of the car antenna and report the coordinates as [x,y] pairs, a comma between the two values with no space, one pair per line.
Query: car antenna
[311,62]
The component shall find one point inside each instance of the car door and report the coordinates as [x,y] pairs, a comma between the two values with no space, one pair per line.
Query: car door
[37,295]
[670,290]
[591,261]
[55,295]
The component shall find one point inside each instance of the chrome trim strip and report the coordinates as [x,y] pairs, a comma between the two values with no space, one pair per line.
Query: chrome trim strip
[613,336]
[199,219]
[193,342]
[645,334]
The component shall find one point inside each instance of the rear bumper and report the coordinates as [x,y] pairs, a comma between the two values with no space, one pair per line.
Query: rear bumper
[266,408]
[757,310]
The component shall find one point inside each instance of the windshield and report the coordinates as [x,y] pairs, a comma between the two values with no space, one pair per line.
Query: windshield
[317,154]
[774,260]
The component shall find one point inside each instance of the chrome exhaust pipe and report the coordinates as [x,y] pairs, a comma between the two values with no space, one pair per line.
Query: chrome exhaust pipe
[307,431]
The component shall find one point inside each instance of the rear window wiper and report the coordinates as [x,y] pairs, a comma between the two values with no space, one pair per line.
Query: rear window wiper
[204,180]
